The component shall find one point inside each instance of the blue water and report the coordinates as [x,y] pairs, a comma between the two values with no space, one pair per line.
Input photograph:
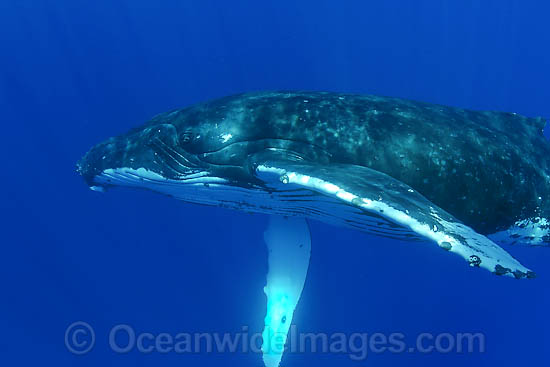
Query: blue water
[73,73]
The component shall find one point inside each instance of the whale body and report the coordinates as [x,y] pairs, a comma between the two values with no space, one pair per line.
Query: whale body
[467,181]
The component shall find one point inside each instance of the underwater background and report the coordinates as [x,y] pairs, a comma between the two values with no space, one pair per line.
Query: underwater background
[73,73]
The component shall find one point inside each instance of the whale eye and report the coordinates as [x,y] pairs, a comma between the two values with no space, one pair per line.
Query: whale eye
[186,137]
[283,320]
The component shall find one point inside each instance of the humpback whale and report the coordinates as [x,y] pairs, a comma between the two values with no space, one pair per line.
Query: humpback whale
[466,181]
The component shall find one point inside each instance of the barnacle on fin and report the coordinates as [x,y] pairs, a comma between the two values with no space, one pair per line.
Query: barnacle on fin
[446,246]
[519,274]
[501,270]
[474,260]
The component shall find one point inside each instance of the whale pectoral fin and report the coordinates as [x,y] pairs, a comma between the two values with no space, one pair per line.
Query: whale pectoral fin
[377,194]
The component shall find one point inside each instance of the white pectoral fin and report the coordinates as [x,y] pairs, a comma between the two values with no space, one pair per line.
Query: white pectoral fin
[289,247]
[380,195]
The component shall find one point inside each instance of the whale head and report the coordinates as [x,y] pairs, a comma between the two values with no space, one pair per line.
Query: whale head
[203,154]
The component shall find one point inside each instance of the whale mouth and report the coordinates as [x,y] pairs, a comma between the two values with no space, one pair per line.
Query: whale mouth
[152,155]
[165,173]
[144,178]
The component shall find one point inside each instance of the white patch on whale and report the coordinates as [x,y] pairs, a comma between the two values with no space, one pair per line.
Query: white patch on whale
[534,232]
[226,137]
